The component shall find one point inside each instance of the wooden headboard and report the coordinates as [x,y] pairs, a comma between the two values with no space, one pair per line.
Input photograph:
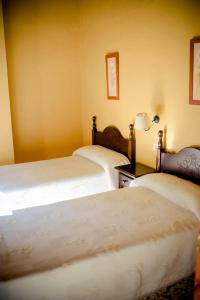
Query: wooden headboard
[185,163]
[112,138]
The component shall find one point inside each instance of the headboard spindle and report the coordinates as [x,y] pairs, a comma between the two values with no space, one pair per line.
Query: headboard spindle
[159,150]
[94,130]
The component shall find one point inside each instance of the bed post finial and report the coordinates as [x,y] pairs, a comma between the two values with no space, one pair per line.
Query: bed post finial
[159,151]
[94,130]
[131,145]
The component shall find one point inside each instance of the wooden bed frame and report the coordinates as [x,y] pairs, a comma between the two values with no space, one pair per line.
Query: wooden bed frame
[185,163]
[112,138]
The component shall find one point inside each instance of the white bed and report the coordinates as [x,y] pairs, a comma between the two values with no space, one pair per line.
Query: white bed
[120,245]
[88,171]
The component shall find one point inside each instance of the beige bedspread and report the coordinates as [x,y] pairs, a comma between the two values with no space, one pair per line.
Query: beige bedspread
[45,237]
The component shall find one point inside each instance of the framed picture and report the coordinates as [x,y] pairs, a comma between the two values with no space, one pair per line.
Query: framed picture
[194,86]
[112,75]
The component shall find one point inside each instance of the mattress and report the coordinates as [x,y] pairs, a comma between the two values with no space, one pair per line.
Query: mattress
[121,244]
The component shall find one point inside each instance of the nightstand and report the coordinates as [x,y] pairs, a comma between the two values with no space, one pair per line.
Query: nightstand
[127,173]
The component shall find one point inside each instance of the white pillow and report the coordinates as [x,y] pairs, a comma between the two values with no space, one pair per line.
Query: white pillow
[181,192]
[106,158]
[102,156]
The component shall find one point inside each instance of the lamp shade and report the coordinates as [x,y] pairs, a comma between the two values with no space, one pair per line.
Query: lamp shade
[142,121]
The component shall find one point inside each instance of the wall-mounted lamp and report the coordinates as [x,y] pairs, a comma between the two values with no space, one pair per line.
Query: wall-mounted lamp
[143,122]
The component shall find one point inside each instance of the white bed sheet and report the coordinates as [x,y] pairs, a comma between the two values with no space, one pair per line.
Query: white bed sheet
[88,171]
[122,274]
[44,182]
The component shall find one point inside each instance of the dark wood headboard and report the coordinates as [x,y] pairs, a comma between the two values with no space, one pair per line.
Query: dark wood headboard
[185,163]
[112,138]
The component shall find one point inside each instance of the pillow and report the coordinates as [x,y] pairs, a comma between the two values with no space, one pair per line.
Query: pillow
[106,158]
[181,192]
[101,155]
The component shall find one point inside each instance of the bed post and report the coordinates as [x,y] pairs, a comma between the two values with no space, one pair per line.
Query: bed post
[94,130]
[159,151]
[131,145]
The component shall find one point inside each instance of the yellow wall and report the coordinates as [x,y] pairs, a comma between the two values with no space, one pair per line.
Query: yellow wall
[6,142]
[152,38]
[42,41]
[56,64]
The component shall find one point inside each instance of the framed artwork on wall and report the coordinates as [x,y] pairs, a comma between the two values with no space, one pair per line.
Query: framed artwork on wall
[194,82]
[112,75]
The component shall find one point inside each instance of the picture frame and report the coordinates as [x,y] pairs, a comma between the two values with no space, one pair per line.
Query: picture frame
[194,80]
[112,75]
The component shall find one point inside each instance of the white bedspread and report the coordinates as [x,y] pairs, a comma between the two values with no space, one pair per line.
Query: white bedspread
[90,170]
[32,184]
[144,242]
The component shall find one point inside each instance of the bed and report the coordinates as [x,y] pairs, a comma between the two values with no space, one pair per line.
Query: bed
[121,244]
[89,170]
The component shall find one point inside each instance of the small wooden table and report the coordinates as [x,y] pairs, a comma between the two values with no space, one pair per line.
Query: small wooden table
[128,173]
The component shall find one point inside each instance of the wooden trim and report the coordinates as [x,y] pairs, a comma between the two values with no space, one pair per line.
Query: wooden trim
[131,145]
[159,150]
[94,130]
[192,42]
[116,56]
[197,268]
